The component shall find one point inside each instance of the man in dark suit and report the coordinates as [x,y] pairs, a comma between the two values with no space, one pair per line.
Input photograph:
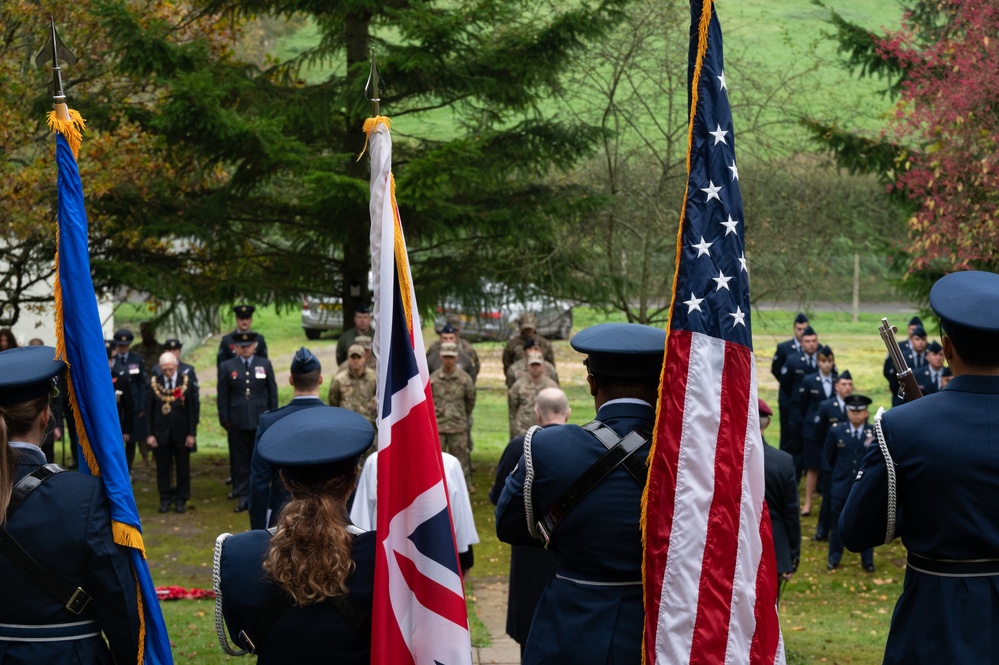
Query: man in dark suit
[597,541]
[131,363]
[792,375]
[173,424]
[244,322]
[267,492]
[781,493]
[175,346]
[785,349]
[942,451]
[246,390]
[846,445]
[531,568]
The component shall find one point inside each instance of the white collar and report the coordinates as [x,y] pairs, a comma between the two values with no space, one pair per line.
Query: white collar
[626,400]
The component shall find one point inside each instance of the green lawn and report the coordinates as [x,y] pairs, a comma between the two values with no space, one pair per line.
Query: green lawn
[839,617]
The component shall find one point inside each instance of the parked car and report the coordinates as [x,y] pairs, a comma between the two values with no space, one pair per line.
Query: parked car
[321,313]
[500,318]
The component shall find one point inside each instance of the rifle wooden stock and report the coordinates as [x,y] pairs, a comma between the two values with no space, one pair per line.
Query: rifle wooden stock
[908,389]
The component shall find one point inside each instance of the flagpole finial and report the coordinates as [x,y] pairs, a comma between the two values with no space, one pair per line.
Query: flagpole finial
[371,88]
[53,50]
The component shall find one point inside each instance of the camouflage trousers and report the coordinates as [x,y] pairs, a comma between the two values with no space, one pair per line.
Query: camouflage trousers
[456,443]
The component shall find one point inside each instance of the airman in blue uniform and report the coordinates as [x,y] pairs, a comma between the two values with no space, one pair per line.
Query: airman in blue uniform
[267,492]
[304,622]
[792,375]
[815,388]
[785,401]
[831,411]
[128,362]
[943,452]
[244,323]
[930,375]
[846,445]
[64,524]
[592,611]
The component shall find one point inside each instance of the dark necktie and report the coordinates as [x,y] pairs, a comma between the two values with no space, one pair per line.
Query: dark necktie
[246,363]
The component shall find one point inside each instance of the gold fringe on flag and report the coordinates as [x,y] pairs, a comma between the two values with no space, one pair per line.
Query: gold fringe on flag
[370,125]
[70,127]
[401,263]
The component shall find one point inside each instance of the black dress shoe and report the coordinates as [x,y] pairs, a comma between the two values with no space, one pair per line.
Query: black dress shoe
[820,537]
[181,507]
[164,506]
[231,495]
[240,507]
[832,566]
[869,568]
[228,481]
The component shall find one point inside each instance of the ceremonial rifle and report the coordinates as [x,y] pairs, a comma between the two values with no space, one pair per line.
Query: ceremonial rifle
[908,389]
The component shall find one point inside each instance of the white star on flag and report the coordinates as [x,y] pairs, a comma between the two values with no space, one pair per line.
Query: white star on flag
[739,316]
[693,303]
[702,247]
[734,169]
[742,262]
[719,135]
[722,281]
[721,79]
[712,191]
[730,225]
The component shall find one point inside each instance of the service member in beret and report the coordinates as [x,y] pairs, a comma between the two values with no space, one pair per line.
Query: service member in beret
[63,522]
[244,323]
[246,390]
[454,320]
[846,445]
[314,577]
[149,348]
[946,475]
[514,348]
[267,492]
[592,611]
[131,363]
[173,426]
[781,494]
[519,367]
[449,336]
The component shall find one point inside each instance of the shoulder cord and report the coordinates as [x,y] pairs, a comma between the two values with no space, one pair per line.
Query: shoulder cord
[532,524]
[217,582]
[890,467]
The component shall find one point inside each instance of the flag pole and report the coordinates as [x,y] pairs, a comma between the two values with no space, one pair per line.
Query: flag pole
[372,86]
[53,49]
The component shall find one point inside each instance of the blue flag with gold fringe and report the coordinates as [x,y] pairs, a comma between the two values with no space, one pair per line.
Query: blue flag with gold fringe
[80,343]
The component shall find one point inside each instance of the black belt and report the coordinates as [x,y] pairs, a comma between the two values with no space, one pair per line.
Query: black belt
[619,452]
[74,598]
[953,568]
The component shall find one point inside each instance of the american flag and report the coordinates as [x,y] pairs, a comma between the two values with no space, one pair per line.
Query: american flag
[709,569]
[419,613]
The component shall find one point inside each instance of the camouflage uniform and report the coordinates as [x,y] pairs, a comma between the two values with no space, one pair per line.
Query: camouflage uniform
[356,394]
[520,399]
[519,369]
[454,399]
[515,350]
[466,362]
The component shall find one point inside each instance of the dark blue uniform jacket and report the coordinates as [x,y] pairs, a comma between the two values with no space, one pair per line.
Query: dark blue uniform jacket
[307,635]
[946,452]
[244,395]
[65,525]
[592,611]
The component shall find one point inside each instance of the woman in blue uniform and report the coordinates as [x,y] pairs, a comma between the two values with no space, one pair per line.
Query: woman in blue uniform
[302,592]
[81,585]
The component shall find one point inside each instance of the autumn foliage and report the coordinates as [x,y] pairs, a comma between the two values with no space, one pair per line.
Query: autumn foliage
[947,119]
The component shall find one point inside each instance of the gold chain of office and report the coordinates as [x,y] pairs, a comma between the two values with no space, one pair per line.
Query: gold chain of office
[169,397]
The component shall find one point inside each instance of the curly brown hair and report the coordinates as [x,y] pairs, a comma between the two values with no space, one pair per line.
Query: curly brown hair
[309,555]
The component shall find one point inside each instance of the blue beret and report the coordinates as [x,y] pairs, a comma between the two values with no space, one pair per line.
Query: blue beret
[26,373]
[172,344]
[244,311]
[362,308]
[967,304]
[124,336]
[319,436]
[857,402]
[304,362]
[244,338]
[629,350]
[448,328]
[801,318]
[845,375]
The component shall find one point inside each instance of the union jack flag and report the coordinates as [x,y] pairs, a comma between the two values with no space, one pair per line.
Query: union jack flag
[709,570]
[419,613]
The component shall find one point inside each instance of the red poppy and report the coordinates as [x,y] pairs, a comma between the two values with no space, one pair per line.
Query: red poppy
[177,393]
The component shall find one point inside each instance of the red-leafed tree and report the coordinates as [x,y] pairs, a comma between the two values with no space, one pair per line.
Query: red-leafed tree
[948,113]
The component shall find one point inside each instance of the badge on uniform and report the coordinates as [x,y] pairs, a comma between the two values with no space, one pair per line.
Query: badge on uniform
[133,368]
[235,375]
[260,372]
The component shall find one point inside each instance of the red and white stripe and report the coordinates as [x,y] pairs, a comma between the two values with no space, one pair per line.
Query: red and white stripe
[707,579]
